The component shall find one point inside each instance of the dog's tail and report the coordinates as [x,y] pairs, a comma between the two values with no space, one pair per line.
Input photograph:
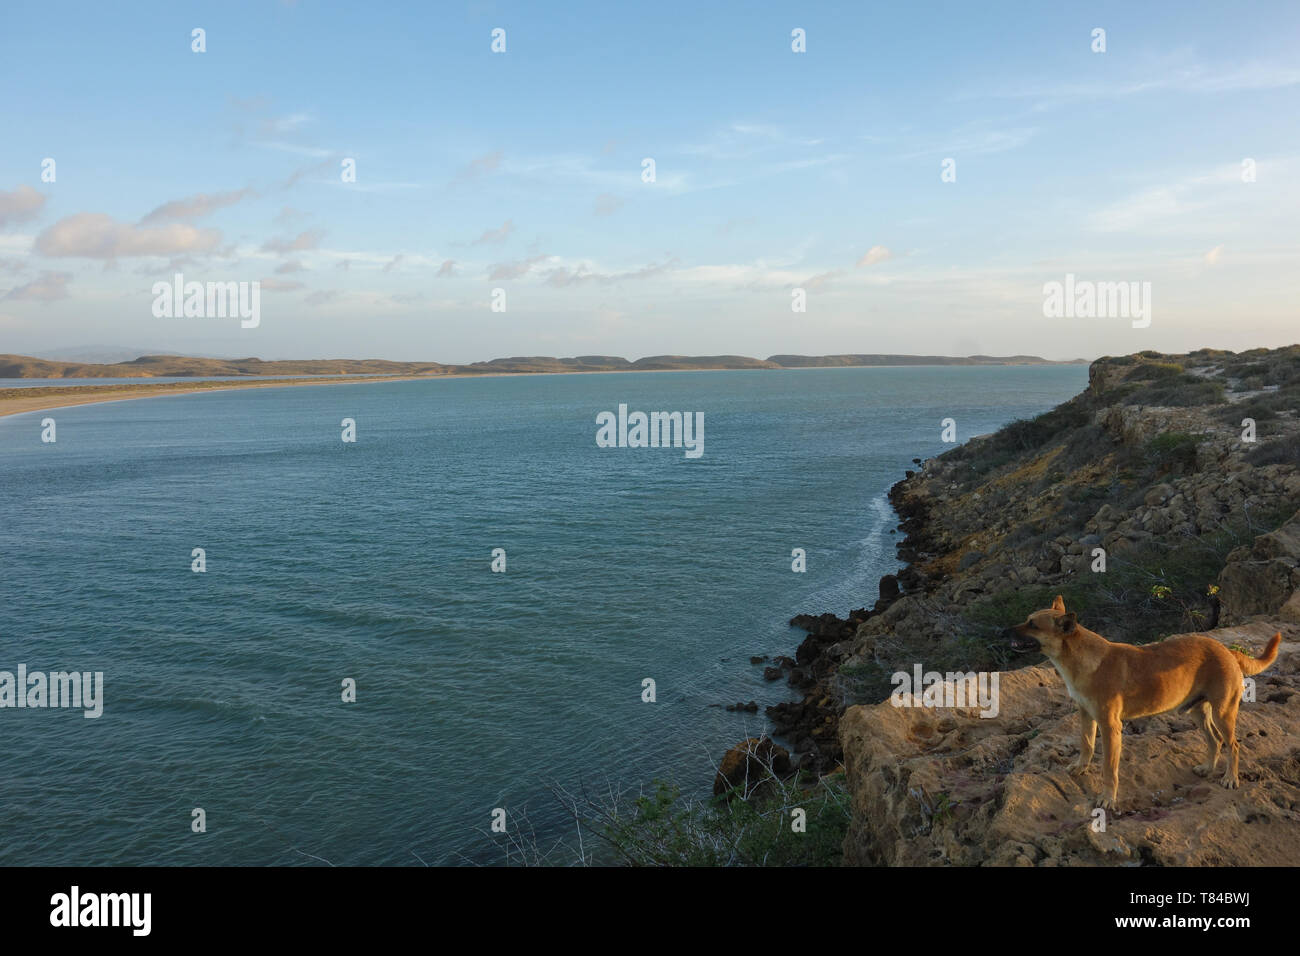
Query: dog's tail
[1253,665]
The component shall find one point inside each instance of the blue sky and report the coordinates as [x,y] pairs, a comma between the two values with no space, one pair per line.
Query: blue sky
[775,170]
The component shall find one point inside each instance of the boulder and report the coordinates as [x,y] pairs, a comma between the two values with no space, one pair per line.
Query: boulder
[750,764]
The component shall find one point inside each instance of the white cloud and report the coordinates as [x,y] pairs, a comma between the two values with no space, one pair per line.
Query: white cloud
[21,205]
[98,236]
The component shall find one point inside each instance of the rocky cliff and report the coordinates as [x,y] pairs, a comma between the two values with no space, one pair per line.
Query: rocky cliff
[1161,500]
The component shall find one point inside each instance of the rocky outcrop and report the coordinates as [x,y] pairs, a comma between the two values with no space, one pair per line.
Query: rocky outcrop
[1264,578]
[947,786]
[1161,500]
[746,767]
[811,724]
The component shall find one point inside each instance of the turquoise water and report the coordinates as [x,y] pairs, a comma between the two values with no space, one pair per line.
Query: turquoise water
[371,561]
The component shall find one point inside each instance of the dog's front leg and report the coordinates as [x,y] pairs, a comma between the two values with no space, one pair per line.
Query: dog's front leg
[1111,728]
[1087,743]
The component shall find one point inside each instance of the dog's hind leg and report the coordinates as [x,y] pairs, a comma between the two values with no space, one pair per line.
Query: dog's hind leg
[1225,719]
[1087,744]
[1213,740]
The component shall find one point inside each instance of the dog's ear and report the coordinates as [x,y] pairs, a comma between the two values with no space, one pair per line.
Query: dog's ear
[1068,623]
[1059,605]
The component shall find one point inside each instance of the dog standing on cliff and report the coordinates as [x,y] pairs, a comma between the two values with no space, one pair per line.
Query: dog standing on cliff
[1112,683]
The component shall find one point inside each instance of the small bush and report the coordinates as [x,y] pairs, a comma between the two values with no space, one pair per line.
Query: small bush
[1157,371]
[1259,409]
[663,828]
[1182,391]
[1173,450]
[1280,451]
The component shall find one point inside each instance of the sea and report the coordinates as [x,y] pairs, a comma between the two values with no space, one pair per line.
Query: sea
[470,613]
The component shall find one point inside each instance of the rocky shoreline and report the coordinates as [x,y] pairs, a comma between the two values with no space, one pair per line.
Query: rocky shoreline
[1162,499]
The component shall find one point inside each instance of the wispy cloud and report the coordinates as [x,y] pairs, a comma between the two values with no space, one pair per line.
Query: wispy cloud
[1176,72]
[197,206]
[514,270]
[270,284]
[309,239]
[498,235]
[321,297]
[1182,199]
[873,255]
[582,274]
[47,287]
[975,139]
[481,166]
[607,204]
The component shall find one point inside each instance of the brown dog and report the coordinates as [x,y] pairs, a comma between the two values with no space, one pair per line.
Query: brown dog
[1112,683]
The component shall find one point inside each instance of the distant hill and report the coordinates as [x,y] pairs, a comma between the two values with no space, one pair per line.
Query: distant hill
[98,354]
[656,362]
[834,361]
[180,366]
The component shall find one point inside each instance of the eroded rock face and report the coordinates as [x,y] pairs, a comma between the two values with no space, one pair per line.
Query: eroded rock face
[1264,578]
[948,787]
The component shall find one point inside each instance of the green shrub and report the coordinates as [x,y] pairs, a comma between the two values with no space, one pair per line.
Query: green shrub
[663,828]
[1155,370]
[1182,391]
[1173,450]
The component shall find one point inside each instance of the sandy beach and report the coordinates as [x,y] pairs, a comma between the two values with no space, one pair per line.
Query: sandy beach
[16,401]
